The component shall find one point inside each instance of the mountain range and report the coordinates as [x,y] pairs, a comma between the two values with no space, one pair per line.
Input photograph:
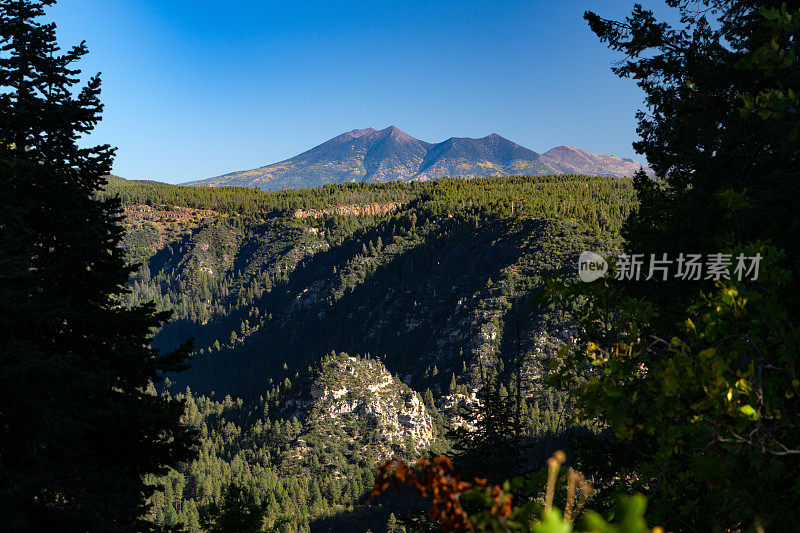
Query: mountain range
[392,155]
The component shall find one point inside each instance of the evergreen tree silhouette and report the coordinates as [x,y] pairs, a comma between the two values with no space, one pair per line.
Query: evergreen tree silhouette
[485,446]
[78,431]
[239,513]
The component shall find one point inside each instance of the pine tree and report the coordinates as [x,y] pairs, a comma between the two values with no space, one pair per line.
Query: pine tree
[79,431]
[239,513]
[391,524]
[485,446]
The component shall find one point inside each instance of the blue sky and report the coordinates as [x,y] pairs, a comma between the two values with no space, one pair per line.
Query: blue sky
[194,89]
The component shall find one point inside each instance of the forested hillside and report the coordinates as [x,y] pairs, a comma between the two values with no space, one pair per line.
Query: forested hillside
[431,284]
[431,281]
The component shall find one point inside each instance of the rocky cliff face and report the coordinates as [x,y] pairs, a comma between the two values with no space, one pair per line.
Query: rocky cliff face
[360,400]
[374,208]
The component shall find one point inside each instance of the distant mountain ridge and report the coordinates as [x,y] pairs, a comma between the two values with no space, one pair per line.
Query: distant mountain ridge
[391,154]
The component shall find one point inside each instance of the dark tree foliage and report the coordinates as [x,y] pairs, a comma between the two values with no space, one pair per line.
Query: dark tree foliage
[78,431]
[731,176]
[700,390]
[486,445]
[239,513]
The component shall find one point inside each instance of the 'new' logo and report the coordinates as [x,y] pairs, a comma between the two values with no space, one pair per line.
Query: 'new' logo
[591,266]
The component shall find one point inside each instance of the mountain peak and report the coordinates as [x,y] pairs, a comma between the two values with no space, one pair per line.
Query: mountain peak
[349,136]
[360,133]
[396,133]
[391,154]
[571,160]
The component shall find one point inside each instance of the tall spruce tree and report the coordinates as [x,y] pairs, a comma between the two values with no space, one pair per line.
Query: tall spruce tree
[701,390]
[78,432]
[720,126]
[238,513]
[485,445]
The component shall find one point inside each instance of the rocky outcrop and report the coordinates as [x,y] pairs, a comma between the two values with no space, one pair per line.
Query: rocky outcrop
[166,214]
[350,209]
[453,405]
[360,398]
[414,420]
